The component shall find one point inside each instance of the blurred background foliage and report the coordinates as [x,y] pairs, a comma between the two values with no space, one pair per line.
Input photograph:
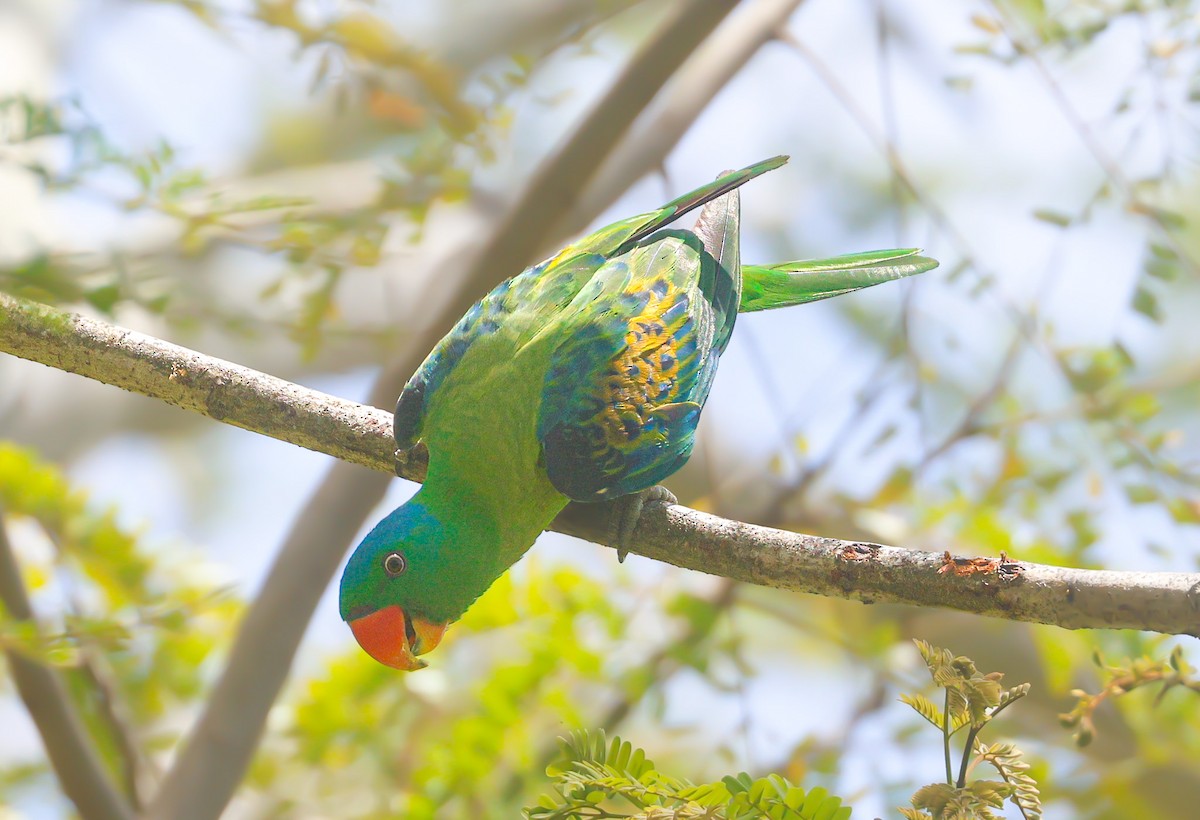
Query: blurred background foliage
[286,184]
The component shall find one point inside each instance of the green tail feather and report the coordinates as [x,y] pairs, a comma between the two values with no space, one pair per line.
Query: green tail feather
[794,283]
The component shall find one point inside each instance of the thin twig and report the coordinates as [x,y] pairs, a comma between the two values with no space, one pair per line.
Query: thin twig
[1090,141]
[968,748]
[111,709]
[946,737]
[969,424]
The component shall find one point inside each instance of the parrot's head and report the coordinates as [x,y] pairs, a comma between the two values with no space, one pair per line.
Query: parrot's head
[402,587]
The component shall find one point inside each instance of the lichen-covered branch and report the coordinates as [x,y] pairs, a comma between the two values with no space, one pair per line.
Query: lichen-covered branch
[215,388]
[872,573]
[1071,598]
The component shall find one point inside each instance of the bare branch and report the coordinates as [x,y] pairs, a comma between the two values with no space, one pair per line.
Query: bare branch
[1166,602]
[72,753]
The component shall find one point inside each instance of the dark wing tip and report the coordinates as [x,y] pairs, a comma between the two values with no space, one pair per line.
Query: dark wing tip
[705,193]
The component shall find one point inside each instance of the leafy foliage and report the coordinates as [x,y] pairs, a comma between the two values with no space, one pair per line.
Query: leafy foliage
[148,182]
[594,773]
[131,633]
[972,701]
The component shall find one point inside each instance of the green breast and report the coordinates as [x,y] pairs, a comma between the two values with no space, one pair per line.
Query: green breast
[481,431]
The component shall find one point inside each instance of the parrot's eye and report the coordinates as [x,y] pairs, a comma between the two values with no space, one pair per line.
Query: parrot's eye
[394,564]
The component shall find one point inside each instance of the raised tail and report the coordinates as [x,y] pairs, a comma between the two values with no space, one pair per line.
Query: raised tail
[794,283]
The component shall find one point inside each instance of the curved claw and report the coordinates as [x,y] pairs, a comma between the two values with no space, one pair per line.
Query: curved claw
[628,511]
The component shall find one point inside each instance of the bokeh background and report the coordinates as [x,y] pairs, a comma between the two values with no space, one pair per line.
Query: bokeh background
[297,187]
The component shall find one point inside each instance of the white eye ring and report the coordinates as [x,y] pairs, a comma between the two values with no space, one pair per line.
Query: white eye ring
[394,564]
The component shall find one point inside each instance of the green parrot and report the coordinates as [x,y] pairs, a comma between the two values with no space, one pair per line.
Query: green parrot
[581,379]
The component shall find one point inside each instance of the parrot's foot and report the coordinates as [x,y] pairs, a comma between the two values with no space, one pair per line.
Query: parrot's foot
[407,459]
[628,509]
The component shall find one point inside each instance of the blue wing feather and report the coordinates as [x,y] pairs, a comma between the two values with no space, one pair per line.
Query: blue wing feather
[624,390]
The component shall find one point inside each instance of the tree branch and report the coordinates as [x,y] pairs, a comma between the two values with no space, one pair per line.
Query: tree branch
[71,751]
[1166,602]
[203,384]
[214,758]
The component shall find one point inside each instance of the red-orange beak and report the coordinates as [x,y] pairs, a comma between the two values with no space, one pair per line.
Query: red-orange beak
[392,638]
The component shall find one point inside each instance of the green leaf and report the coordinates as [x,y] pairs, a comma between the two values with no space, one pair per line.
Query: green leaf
[1184,511]
[1052,217]
[103,298]
[924,707]
[934,797]
[1141,493]
[1146,303]
[991,792]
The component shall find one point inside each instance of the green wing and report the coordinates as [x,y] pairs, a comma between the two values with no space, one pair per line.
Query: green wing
[619,237]
[622,395]
[624,390]
[547,288]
